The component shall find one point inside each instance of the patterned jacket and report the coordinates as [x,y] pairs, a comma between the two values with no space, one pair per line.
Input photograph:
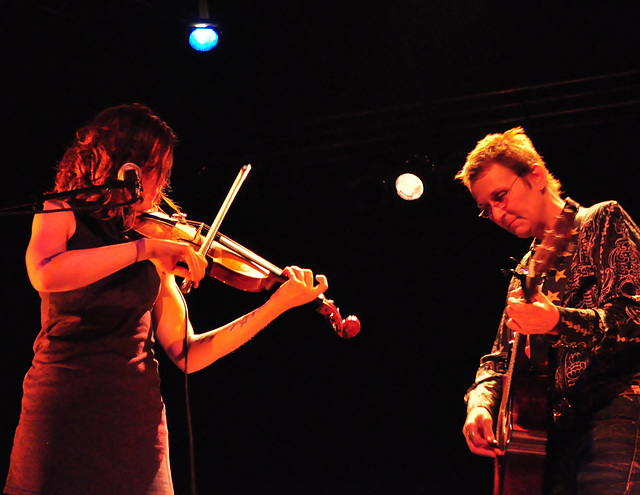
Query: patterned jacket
[596,287]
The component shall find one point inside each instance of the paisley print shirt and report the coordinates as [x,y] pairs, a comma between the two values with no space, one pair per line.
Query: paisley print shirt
[596,286]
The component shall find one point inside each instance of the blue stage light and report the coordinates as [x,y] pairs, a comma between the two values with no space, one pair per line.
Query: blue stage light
[204,37]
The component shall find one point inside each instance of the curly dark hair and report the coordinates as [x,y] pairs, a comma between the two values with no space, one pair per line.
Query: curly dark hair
[117,135]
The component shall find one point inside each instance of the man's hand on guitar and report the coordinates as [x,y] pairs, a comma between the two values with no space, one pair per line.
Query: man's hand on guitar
[537,317]
[478,432]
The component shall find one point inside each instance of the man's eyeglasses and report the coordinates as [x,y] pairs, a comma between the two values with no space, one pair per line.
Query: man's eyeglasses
[498,198]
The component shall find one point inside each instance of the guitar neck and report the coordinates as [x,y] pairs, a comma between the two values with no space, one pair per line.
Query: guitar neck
[520,428]
[530,287]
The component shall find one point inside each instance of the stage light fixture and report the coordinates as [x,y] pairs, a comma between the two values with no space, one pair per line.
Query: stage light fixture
[414,181]
[204,34]
[203,37]
[409,186]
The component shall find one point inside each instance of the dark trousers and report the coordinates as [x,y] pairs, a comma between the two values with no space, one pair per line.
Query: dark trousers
[598,454]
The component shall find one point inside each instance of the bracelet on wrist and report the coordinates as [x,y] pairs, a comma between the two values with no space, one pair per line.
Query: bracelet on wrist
[141,250]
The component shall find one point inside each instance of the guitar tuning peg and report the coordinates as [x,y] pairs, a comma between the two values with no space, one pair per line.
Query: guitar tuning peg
[508,272]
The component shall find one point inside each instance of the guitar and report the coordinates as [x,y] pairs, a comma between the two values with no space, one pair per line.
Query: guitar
[521,424]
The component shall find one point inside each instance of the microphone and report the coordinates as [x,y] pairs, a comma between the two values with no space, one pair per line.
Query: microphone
[130,175]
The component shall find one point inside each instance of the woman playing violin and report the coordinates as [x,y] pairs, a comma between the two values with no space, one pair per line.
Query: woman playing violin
[93,419]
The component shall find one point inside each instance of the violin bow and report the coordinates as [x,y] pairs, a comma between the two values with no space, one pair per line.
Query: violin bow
[187,284]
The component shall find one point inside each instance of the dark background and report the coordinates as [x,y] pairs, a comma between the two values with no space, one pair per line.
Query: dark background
[328,101]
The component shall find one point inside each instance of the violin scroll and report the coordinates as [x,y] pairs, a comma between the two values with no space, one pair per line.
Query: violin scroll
[346,328]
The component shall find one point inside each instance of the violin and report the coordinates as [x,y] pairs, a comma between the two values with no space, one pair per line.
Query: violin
[234,264]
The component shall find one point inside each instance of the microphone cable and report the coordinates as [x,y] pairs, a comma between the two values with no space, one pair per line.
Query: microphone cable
[192,462]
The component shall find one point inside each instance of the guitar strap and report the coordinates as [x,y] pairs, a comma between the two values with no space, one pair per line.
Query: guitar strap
[555,283]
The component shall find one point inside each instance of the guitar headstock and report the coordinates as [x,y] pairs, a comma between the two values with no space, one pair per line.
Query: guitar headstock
[546,253]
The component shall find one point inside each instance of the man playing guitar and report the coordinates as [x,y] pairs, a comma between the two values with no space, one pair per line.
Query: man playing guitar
[572,318]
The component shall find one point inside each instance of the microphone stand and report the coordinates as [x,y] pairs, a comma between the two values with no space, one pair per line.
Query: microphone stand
[33,204]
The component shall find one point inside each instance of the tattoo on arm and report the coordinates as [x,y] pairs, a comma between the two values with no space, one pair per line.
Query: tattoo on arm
[232,326]
[48,259]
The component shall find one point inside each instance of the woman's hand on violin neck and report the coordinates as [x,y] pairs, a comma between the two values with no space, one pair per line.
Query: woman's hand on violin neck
[166,255]
[300,287]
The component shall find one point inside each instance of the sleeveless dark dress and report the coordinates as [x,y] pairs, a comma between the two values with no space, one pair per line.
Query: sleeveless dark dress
[93,419]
